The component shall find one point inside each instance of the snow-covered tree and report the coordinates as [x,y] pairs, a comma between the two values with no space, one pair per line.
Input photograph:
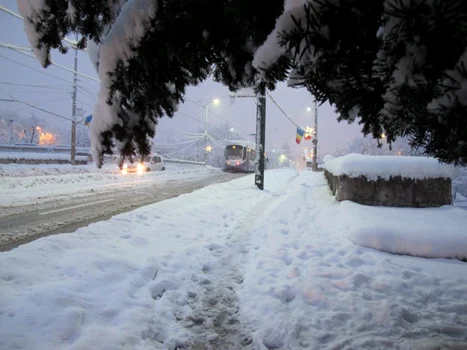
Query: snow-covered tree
[148,51]
[397,66]
[371,146]
[285,150]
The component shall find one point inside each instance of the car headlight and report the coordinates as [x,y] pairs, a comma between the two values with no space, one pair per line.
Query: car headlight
[140,168]
[125,166]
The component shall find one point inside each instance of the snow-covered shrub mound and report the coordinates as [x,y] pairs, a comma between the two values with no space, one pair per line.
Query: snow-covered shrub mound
[374,167]
[426,232]
[327,158]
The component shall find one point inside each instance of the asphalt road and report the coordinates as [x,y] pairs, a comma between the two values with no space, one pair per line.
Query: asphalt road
[68,214]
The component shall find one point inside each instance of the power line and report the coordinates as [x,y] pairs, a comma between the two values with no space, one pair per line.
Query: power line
[86,93]
[57,87]
[198,120]
[283,112]
[216,142]
[37,103]
[33,106]
[180,143]
[38,92]
[89,95]
[18,16]
[14,100]
[228,121]
[86,104]
[34,69]
[15,49]
[185,148]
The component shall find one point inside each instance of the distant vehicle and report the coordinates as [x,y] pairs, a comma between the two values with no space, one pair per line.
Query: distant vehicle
[149,163]
[240,156]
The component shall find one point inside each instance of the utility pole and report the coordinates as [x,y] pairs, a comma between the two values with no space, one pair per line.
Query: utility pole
[206,134]
[260,139]
[315,140]
[73,113]
[10,124]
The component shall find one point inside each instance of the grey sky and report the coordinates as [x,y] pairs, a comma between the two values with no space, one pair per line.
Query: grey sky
[333,135]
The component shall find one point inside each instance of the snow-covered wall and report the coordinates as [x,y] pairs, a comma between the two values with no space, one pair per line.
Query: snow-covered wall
[385,167]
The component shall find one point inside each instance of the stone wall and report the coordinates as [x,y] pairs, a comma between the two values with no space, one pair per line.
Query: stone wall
[395,192]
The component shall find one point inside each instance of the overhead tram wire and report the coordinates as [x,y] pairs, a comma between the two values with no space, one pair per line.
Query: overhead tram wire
[198,120]
[179,143]
[283,112]
[185,148]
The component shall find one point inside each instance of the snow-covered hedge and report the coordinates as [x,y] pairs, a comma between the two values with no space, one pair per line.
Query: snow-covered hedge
[385,167]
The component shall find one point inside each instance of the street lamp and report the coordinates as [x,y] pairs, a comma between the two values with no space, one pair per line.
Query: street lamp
[232,129]
[215,102]
[308,109]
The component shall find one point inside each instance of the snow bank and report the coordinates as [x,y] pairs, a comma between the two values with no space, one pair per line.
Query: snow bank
[21,170]
[374,167]
[39,155]
[307,286]
[427,232]
[19,190]
[138,281]
[126,282]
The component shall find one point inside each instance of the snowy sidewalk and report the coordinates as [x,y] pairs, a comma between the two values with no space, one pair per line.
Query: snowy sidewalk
[231,267]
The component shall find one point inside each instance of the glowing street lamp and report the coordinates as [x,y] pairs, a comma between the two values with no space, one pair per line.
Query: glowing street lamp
[308,109]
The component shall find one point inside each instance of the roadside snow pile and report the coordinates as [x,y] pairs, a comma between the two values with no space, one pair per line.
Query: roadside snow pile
[39,155]
[19,190]
[374,167]
[426,232]
[230,267]
[24,170]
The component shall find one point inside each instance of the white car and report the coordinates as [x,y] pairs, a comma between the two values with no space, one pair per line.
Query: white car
[150,163]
